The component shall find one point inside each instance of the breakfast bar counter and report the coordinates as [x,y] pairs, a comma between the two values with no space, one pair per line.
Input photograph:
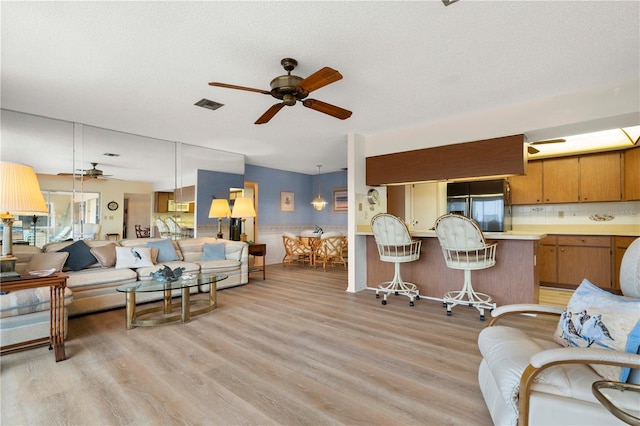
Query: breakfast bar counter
[513,279]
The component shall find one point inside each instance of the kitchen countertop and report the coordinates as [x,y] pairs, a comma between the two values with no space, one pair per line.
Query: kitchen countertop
[510,235]
[615,230]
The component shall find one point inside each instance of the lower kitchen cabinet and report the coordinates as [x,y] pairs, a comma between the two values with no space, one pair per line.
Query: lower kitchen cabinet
[576,257]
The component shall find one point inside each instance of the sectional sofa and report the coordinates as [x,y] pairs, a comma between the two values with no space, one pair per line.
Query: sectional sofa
[96,268]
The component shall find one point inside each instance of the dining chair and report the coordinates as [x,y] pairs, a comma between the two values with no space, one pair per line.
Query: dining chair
[329,250]
[295,250]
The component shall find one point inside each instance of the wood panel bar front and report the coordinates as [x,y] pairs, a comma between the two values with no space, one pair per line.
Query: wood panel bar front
[513,279]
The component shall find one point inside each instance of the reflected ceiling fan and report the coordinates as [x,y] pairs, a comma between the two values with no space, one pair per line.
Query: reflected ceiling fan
[92,173]
[291,88]
[532,150]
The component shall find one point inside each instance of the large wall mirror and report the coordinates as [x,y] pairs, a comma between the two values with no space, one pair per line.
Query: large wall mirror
[162,186]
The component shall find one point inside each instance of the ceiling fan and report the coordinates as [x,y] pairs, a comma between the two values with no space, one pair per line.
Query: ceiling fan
[93,173]
[532,150]
[291,88]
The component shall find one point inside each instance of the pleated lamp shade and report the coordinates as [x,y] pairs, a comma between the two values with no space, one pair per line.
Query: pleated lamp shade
[19,190]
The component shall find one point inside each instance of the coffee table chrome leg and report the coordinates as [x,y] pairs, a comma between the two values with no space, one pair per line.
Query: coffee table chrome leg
[186,305]
[131,309]
[213,295]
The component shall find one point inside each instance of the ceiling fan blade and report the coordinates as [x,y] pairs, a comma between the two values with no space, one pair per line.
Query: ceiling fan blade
[531,150]
[318,79]
[268,115]
[329,109]
[231,86]
[549,141]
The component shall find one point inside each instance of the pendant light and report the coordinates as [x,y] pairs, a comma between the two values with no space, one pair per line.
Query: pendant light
[319,203]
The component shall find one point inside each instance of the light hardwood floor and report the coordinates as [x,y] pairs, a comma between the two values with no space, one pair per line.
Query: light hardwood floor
[295,349]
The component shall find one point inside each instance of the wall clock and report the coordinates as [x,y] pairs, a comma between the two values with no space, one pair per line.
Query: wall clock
[373,197]
[113,206]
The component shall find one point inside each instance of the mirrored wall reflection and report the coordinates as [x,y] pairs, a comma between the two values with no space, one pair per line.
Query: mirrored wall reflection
[141,182]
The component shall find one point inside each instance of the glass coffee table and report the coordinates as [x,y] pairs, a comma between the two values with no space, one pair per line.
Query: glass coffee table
[164,314]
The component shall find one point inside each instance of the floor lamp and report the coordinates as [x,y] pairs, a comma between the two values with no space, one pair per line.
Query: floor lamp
[243,208]
[219,208]
[19,194]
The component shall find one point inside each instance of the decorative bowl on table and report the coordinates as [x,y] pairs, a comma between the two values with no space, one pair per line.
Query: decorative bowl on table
[42,272]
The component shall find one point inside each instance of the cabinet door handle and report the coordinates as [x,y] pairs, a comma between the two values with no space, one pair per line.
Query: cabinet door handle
[562,250]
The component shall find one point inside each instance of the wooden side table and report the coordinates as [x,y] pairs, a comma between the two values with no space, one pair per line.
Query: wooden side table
[259,250]
[56,283]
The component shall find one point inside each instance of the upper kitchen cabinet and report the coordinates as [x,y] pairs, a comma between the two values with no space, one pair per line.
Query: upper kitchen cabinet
[527,189]
[600,177]
[632,174]
[561,180]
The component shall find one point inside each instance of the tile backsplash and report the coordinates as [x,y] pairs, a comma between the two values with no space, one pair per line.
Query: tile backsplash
[614,213]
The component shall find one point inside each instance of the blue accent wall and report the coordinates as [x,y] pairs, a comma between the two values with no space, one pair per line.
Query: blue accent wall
[213,185]
[271,182]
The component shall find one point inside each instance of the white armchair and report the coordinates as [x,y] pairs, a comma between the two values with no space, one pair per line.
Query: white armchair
[537,381]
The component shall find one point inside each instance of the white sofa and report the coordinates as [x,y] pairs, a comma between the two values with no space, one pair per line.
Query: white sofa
[532,381]
[25,316]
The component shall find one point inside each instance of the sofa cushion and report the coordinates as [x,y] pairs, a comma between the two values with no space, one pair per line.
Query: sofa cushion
[596,318]
[166,250]
[142,242]
[213,251]
[507,352]
[191,248]
[219,266]
[41,261]
[133,257]
[79,255]
[106,255]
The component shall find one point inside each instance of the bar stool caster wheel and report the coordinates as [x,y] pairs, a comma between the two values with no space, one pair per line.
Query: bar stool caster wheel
[384,302]
[410,303]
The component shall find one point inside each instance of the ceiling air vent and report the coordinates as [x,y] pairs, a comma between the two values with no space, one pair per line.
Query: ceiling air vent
[206,103]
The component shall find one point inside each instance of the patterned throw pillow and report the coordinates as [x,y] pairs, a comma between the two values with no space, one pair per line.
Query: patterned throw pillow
[133,257]
[595,318]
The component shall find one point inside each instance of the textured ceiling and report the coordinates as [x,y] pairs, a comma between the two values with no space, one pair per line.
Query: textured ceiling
[139,67]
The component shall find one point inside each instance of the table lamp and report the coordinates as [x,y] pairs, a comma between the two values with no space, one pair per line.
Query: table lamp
[219,208]
[243,208]
[19,194]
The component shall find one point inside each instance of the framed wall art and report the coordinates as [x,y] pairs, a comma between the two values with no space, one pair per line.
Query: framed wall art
[340,200]
[287,202]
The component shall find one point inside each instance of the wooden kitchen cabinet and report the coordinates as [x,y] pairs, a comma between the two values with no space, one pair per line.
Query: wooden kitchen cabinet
[548,259]
[600,177]
[162,201]
[527,189]
[561,180]
[581,257]
[631,159]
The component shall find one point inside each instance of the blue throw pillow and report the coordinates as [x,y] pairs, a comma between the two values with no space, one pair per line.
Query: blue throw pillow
[79,256]
[213,251]
[166,250]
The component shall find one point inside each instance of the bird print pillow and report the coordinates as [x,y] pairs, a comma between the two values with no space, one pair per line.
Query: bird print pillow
[595,318]
[133,257]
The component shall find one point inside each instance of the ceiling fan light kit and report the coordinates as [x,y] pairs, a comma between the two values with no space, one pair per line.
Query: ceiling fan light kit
[290,89]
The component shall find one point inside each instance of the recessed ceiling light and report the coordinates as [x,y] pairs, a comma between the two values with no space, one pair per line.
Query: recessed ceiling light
[206,103]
